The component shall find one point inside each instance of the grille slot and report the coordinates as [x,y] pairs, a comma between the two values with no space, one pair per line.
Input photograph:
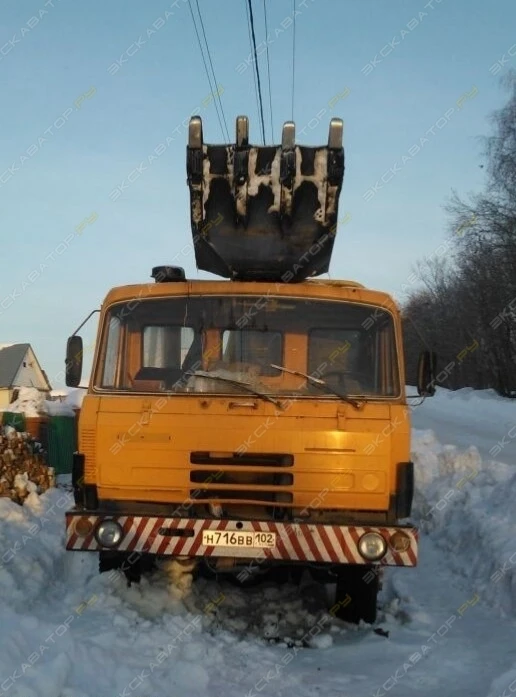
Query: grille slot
[256,478]
[247,494]
[257,459]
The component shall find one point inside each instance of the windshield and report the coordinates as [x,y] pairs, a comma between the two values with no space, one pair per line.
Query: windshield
[157,345]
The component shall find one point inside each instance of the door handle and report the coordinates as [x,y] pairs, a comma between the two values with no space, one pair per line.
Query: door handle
[237,405]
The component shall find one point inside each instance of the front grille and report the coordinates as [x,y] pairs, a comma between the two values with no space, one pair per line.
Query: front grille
[249,477]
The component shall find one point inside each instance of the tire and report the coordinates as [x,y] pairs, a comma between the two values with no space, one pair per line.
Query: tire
[249,582]
[279,574]
[109,561]
[131,568]
[356,595]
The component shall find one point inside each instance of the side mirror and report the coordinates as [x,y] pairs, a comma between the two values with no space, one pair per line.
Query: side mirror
[426,373]
[73,361]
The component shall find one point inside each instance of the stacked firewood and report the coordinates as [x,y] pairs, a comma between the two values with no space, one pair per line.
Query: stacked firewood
[23,467]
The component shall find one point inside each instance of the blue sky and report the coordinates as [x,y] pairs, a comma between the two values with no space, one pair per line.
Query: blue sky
[75,125]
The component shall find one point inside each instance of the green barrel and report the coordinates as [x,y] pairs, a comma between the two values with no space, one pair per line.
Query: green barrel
[62,443]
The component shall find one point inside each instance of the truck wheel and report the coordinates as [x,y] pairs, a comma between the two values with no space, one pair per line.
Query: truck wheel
[356,594]
[132,566]
[255,579]
[109,561]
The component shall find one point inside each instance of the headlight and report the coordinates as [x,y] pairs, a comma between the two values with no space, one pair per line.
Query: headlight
[109,533]
[372,546]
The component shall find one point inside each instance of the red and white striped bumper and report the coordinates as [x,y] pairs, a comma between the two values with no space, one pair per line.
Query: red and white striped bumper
[294,541]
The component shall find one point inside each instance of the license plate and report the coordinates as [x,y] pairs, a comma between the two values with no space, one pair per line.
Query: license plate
[237,538]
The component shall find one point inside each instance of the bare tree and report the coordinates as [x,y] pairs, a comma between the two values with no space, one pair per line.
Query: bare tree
[467,306]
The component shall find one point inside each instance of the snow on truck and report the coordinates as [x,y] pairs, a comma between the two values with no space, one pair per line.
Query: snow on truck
[255,424]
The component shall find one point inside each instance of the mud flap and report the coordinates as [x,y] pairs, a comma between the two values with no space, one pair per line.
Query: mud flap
[264,212]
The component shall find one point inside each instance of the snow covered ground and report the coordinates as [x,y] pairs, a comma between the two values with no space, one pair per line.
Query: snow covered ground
[451,622]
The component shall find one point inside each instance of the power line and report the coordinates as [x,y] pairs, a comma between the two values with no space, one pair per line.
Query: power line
[268,68]
[262,120]
[213,71]
[251,46]
[205,66]
[293,53]
[212,90]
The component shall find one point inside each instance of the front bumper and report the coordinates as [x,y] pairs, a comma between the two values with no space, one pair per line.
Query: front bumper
[301,542]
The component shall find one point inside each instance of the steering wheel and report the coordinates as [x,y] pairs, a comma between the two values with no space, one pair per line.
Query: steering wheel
[361,375]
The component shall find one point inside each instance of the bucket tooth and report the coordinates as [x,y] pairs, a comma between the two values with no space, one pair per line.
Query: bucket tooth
[194,170]
[287,163]
[288,135]
[335,134]
[194,159]
[241,154]
[335,162]
[242,131]
[195,132]
[241,166]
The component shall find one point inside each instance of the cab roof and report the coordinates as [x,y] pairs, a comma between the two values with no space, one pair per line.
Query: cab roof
[313,288]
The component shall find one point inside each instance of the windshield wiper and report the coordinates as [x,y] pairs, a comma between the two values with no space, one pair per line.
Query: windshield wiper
[247,386]
[322,384]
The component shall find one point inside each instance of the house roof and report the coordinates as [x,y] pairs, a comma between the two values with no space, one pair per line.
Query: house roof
[11,358]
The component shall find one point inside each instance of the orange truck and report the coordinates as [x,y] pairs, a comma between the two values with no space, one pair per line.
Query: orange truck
[256,425]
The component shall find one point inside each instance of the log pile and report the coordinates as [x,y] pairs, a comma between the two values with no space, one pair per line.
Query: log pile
[23,466]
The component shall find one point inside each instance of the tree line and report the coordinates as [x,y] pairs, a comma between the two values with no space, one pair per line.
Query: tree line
[465,306]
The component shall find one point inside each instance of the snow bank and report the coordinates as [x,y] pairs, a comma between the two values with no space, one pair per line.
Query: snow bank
[30,545]
[32,402]
[466,505]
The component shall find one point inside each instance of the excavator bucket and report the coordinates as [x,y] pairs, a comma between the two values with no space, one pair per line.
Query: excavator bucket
[264,212]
